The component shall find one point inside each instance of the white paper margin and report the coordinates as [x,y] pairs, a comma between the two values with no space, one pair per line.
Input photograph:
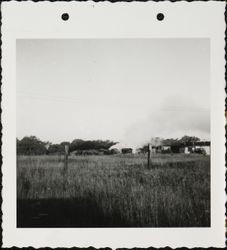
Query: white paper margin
[113,20]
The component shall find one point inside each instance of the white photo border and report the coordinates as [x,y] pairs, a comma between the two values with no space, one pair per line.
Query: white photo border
[42,20]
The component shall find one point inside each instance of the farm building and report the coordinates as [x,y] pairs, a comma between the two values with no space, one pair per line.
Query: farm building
[114,151]
[177,148]
[156,145]
[187,150]
[126,150]
[197,147]
[156,149]
[204,145]
[166,147]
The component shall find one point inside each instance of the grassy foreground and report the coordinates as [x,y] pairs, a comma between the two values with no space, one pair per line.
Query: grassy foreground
[113,191]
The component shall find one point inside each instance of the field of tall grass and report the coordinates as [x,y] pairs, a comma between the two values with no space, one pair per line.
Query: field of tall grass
[113,191]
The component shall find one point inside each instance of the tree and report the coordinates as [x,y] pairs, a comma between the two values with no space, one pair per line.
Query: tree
[79,144]
[31,145]
[171,142]
[65,143]
[56,148]
[189,140]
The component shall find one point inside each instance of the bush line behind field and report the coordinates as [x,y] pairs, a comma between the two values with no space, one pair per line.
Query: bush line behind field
[175,192]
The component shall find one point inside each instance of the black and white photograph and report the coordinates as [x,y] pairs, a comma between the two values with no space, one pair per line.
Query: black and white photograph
[113,124]
[113,133]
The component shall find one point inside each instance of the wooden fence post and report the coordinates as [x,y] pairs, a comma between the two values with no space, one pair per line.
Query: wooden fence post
[148,155]
[65,169]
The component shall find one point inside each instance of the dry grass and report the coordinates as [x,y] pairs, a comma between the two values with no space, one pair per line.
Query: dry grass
[175,192]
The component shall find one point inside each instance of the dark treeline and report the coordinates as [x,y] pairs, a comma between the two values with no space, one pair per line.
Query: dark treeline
[185,140]
[31,145]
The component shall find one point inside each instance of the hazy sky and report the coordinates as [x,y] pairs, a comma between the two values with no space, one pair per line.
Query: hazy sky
[127,90]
